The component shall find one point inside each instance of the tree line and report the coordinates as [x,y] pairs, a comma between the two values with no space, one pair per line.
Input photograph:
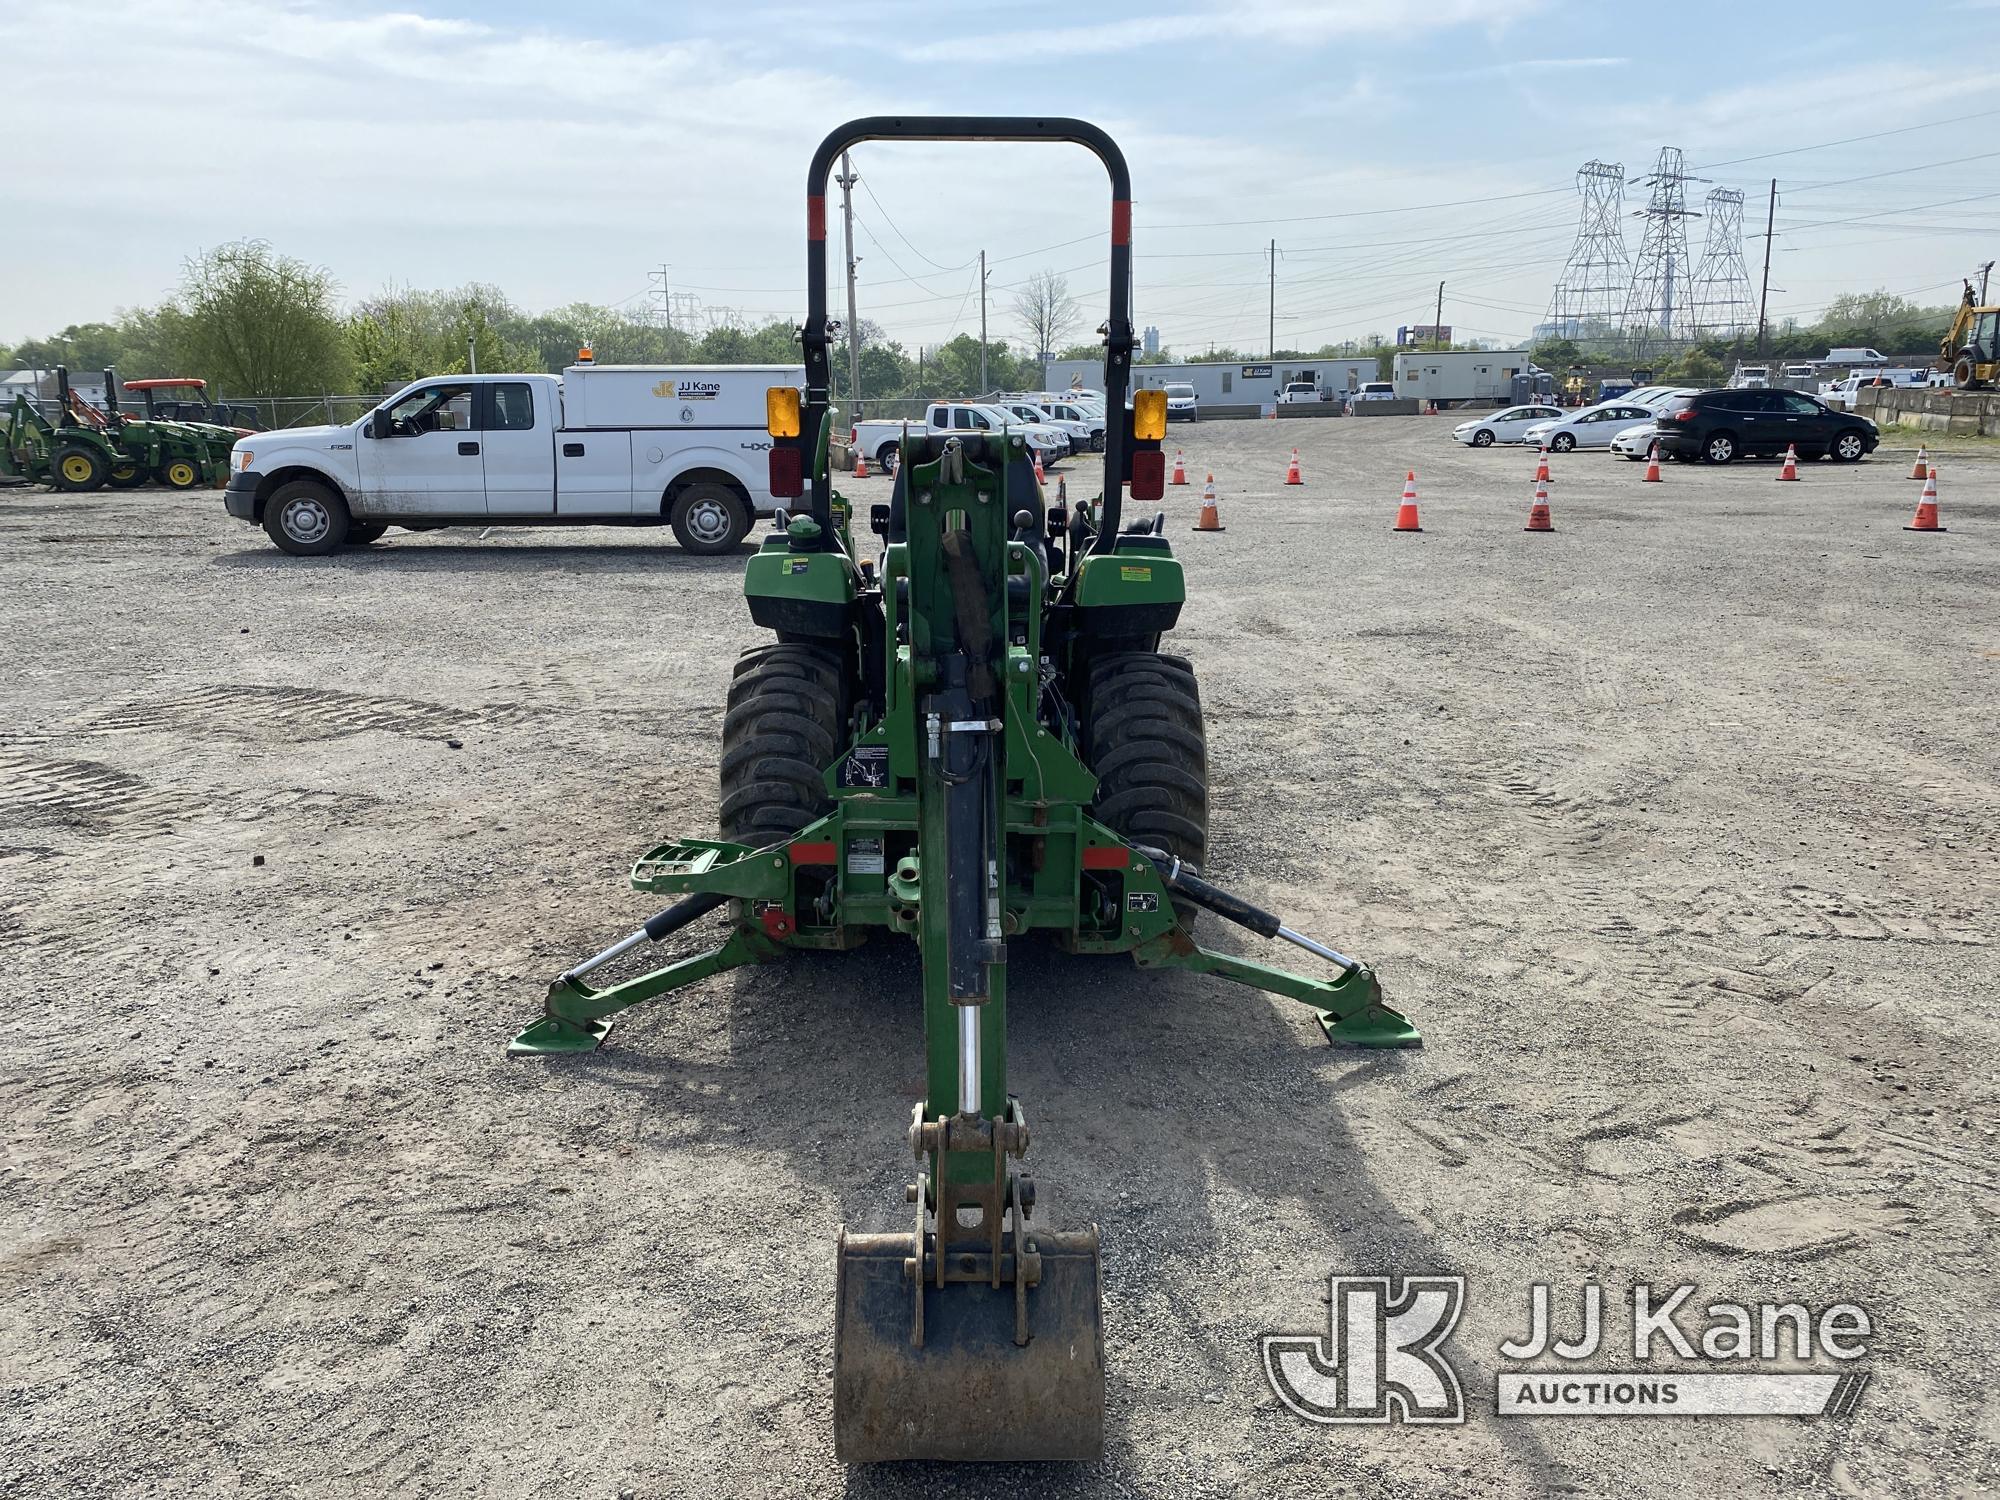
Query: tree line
[256,323]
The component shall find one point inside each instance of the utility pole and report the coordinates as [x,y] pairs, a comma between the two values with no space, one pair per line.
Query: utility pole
[1271,339]
[667,305]
[1437,327]
[1764,296]
[846,180]
[982,322]
[471,363]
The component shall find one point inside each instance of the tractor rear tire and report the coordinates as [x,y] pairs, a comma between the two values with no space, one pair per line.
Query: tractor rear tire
[785,723]
[1145,743]
[78,469]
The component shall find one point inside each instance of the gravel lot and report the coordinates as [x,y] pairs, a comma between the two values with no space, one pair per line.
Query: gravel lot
[1676,831]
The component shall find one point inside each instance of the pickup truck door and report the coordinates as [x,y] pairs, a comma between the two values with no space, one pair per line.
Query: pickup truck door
[519,450]
[429,464]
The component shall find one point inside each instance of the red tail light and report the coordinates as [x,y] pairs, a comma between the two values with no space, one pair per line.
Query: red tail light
[1685,414]
[1149,474]
[788,473]
[853,436]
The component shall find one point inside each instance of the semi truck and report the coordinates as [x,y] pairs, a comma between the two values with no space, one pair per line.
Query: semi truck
[599,445]
[1461,377]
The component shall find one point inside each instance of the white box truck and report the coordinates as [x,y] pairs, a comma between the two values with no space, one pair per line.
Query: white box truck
[599,445]
[1460,377]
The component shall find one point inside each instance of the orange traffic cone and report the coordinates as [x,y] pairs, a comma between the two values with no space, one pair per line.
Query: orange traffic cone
[1542,469]
[1652,465]
[1406,513]
[860,464]
[1926,518]
[1040,477]
[1791,468]
[1292,475]
[1538,513]
[1211,518]
[895,460]
[1180,469]
[1922,467]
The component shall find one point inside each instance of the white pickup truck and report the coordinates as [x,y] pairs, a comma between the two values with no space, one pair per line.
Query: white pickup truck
[882,439]
[598,445]
[1084,433]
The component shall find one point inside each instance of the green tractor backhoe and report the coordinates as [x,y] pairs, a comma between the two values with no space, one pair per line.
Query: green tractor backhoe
[969,737]
[71,450]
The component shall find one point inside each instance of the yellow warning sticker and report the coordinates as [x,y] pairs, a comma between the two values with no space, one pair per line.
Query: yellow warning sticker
[1127,574]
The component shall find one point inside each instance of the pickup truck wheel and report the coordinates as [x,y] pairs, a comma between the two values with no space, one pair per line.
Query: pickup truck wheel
[361,533]
[708,518]
[306,519]
[78,468]
[887,455]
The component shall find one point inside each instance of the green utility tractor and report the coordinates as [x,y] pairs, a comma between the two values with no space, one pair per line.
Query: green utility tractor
[971,736]
[179,455]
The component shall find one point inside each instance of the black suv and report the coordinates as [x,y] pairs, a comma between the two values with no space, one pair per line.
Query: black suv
[1718,426]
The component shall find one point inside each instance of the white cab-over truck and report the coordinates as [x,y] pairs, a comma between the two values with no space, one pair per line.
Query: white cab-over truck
[880,440]
[598,445]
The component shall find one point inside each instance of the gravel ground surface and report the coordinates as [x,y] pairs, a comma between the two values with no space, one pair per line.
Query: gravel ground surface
[1674,830]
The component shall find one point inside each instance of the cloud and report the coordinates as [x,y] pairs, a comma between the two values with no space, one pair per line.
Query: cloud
[1299,23]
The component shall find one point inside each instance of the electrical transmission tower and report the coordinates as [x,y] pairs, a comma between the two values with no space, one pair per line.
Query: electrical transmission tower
[1722,305]
[1590,298]
[1660,277]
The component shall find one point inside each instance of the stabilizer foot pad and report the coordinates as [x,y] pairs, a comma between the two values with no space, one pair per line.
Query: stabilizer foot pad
[1375,1026]
[550,1037]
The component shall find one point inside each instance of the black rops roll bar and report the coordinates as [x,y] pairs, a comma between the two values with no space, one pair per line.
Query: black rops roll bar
[1118,343]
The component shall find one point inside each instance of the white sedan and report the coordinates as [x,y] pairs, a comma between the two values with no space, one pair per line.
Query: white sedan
[1592,427]
[1636,441]
[1502,426]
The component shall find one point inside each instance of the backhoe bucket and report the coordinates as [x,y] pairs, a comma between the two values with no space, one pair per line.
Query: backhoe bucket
[958,1386]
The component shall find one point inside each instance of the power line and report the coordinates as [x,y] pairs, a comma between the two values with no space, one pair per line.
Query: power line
[902,236]
[1709,166]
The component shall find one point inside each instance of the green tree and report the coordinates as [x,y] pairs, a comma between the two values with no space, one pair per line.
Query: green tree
[257,323]
[1556,354]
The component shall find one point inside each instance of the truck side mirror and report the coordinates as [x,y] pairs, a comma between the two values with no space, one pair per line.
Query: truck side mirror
[378,423]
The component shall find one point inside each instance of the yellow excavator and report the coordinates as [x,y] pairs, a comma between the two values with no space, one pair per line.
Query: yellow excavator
[1970,350]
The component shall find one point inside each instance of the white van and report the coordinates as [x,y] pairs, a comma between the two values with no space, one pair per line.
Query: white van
[599,445]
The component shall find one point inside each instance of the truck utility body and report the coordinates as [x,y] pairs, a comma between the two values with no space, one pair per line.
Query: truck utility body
[1453,376]
[598,445]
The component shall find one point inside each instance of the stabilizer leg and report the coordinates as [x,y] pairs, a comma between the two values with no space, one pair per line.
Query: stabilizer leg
[575,1014]
[1351,1010]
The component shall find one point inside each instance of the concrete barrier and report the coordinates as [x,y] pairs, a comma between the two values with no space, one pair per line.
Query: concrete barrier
[1399,406]
[1967,413]
[1293,411]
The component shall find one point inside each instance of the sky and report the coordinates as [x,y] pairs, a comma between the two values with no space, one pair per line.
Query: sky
[571,152]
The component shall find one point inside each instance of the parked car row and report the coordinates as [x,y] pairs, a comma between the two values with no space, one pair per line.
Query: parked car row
[1715,426]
